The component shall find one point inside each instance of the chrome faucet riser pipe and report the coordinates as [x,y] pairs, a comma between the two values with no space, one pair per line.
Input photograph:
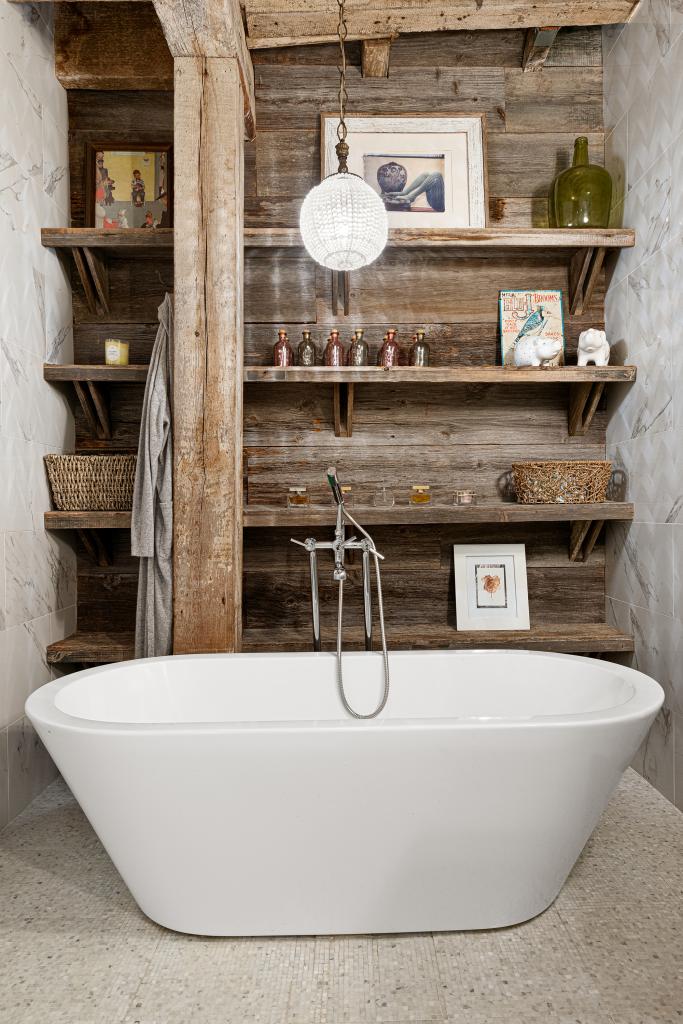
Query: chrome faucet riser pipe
[315,600]
[367,597]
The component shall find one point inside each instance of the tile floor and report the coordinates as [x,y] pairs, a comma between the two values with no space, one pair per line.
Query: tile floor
[74,948]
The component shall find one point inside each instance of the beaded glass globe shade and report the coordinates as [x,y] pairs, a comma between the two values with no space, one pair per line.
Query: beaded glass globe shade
[343,222]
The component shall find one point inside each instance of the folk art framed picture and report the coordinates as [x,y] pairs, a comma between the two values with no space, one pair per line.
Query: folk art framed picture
[429,170]
[529,315]
[491,586]
[129,187]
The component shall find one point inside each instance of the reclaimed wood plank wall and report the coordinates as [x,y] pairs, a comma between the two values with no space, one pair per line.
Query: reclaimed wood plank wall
[107,595]
[445,436]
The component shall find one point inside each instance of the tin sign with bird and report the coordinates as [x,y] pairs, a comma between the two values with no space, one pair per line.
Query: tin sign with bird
[531,328]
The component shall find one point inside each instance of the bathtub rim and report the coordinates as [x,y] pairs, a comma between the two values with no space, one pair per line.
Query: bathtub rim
[646,699]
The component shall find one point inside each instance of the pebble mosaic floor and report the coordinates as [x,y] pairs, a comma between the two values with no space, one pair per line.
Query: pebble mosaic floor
[74,948]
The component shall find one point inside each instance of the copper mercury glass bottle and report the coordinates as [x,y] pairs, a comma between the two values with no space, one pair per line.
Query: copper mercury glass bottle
[307,351]
[283,353]
[334,351]
[390,353]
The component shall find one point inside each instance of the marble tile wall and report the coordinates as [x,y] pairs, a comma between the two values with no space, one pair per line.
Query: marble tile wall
[37,569]
[643,100]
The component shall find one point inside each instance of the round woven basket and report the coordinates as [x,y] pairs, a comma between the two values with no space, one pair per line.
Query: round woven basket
[91,483]
[561,482]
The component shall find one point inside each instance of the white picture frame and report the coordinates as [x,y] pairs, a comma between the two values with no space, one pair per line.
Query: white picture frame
[448,150]
[491,587]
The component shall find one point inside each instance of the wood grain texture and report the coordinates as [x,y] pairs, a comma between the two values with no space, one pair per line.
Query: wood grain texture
[375,57]
[111,46]
[512,375]
[207,528]
[273,19]
[87,520]
[118,374]
[213,29]
[538,43]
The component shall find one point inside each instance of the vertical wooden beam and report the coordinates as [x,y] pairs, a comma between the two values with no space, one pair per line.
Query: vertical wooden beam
[207,385]
[375,55]
[537,45]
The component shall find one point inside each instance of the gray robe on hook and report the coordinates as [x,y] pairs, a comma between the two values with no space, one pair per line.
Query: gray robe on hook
[152,518]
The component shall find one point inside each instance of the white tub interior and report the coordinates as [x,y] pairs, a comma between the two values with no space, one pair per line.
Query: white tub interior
[477,685]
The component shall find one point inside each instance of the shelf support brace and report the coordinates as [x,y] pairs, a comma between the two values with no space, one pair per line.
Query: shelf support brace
[95,546]
[375,55]
[537,45]
[584,399]
[343,410]
[583,538]
[341,290]
[95,409]
[584,271]
[99,274]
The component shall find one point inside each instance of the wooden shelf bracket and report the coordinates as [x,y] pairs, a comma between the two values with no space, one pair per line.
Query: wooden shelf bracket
[583,537]
[341,291]
[584,399]
[583,273]
[94,276]
[538,43]
[95,546]
[95,408]
[343,410]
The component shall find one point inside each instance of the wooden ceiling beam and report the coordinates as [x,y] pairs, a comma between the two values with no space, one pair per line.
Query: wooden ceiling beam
[211,28]
[292,19]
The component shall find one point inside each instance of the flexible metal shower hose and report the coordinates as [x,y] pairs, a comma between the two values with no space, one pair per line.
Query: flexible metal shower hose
[380,606]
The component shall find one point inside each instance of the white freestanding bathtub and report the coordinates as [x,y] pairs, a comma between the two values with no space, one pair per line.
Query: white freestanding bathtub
[235,798]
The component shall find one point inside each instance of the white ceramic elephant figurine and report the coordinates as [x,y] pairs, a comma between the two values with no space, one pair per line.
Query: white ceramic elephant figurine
[593,348]
[538,351]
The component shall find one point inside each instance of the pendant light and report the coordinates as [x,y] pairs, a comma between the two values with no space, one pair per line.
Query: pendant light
[343,221]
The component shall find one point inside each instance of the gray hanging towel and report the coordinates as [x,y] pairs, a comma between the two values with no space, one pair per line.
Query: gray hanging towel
[152,518]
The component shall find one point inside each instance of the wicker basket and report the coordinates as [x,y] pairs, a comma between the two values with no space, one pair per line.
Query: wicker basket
[561,482]
[91,483]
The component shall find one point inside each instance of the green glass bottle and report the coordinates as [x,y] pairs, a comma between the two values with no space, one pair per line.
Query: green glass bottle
[582,193]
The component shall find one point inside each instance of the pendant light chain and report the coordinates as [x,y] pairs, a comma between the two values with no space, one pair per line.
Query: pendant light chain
[342,149]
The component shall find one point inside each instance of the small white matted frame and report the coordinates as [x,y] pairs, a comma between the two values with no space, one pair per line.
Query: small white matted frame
[491,587]
[428,169]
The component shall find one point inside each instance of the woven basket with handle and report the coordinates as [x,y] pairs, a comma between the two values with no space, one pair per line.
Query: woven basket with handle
[91,483]
[568,483]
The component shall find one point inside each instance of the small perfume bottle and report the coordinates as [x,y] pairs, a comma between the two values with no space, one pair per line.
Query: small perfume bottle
[359,353]
[419,353]
[466,497]
[297,496]
[347,495]
[383,497]
[420,494]
[390,353]
[283,353]
[307,352]
[334,350]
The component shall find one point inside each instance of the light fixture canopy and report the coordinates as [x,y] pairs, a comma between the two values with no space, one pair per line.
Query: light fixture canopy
[343,221]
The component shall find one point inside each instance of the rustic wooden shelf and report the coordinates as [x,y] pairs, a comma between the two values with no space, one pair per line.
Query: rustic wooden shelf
[562,239]
[96,373]
[439,374]
[87,520]
[92,649]
[409,515]
[577,638]
[591,638]
[122,240]
[587,383]
[88,381]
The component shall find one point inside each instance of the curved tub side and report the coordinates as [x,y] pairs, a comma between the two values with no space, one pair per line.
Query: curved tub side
[310,832]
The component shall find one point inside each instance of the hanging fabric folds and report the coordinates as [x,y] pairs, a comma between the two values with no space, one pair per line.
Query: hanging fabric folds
[152,517]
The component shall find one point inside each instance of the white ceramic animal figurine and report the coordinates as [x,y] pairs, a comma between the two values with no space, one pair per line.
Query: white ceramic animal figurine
[593,348]
[538,351]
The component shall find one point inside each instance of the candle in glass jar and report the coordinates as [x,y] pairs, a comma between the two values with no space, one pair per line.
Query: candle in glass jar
[115,352]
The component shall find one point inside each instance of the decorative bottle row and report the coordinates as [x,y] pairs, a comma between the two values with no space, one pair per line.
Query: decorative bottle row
[358,354]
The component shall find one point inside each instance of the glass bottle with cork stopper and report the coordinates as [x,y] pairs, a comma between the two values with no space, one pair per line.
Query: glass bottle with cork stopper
[359,353]
[283,353]
[307,352]
[419,353]
[334,350]
[390,353]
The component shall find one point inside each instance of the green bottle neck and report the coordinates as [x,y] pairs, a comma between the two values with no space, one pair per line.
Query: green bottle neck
[580,152]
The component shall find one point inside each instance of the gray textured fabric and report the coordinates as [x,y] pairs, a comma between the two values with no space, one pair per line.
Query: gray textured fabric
[152,518]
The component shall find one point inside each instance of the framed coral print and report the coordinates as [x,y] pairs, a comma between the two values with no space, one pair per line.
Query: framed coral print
[429,170]
[129,187]
[491,586]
